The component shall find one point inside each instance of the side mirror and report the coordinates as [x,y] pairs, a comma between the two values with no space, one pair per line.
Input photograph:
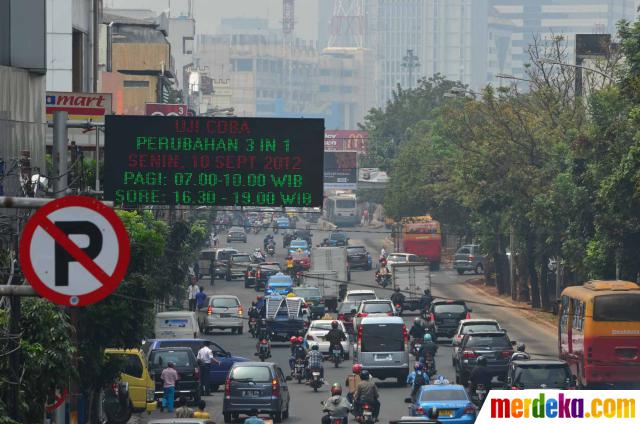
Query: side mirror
[408,400]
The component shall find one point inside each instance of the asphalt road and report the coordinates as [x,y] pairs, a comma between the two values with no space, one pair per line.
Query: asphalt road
[305,406]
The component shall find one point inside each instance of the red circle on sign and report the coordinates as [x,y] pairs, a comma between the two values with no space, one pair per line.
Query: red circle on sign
[40,219]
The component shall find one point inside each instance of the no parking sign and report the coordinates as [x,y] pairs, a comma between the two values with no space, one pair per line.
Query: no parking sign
[74,251]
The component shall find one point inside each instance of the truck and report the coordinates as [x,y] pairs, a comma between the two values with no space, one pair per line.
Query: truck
[412,279]
[421,236]
[285,317]
[330,273]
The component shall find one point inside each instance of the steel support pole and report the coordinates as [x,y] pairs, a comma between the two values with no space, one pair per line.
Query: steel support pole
[59,155]
[97,159]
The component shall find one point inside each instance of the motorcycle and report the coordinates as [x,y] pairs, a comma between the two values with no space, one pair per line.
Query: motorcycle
[336,356]
[115,403]
[383,281]
[430,367]
[367,415]
[479,395]
[316,381]
[253,325]
[271,250]
[275,230]
[332,419]
[264,350]
[416,345]
[298,370]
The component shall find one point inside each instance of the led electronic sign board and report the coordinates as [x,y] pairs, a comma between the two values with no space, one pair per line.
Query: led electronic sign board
[163,160]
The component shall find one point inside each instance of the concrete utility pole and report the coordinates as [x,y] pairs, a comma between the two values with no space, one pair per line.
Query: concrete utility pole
[410,62]
[59,153]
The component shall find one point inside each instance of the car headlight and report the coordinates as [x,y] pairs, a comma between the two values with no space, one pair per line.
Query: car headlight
[150,395]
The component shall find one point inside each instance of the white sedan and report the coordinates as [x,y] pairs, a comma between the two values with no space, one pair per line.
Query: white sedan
[316,332]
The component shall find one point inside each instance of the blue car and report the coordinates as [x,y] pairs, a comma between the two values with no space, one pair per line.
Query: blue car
[279,284]
[283,223]
[219,372]
[297,244]
[452,402]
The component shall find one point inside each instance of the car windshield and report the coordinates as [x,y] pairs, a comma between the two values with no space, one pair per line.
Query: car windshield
[397,258]
[159,359]
[241,258]
[375,308]
[226,254]
[237,234]
[207,255]
[275,268]
[310,292]
[479,328]
[359,297]
[298,243]
[347,307]
[382,338]
[194,345]
[337,236]
[322,326]
[357,250]
[224,302]
[493,342]
[449,309]
[537,375]
[443,395]
[346,203]
[255,374]
[617,308]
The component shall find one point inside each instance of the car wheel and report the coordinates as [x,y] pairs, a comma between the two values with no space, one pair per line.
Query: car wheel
[460,271]
[479,269]
[227,417]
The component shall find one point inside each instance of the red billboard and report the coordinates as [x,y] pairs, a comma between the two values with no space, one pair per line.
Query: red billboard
[345,140]
[165,109]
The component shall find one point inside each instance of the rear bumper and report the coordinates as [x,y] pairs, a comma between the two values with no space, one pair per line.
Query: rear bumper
[224,323]
[445,330]
[240,405]
[387,371]
[612,373]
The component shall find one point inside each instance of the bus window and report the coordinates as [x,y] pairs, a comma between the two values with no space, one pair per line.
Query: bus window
[564,317]
[617,307]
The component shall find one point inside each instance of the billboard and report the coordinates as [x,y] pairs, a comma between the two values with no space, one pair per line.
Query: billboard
[165,109]
[342,140]
[79,106]
[340,170]
[207,161]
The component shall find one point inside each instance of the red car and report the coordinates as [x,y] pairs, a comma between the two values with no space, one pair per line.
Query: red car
[301,261]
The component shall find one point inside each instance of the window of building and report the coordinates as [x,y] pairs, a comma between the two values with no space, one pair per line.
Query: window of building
[136,84]
[346,73]
[243,65]
[325,72]
[187,45]
[325,88]
[77,61]
[347,89]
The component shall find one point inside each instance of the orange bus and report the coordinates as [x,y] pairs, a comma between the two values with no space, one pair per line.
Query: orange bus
[599,332]
[421,236]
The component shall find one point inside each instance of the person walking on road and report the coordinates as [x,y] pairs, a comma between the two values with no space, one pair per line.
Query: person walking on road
[196,270]
[192,290]
[169,376]
[205,360]
[183,411]
[201,298]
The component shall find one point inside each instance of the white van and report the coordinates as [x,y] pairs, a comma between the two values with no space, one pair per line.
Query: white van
[176,325]
[382,347]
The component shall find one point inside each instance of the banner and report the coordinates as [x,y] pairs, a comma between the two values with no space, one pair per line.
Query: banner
[341,140]
[560,406]
[340,170]
[79,106]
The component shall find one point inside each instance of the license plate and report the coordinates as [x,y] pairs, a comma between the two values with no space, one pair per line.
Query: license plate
[225,315]
[367,413]
[252,393]
[450,321]
[446,412]
[383,357]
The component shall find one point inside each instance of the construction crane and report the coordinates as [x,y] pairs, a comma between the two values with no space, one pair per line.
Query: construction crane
[288,16]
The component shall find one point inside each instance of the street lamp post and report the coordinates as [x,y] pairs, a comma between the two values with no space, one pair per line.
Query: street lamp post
[410,62]
[579,68]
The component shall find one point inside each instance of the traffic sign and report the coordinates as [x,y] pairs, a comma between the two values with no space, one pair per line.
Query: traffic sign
[74,251]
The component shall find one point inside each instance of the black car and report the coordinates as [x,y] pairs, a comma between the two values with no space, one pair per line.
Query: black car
[259,386]
[263,272]
[495,347]
[358,257]
[304,235]
[188,384]
[445,316]
[338,238]
[540,374]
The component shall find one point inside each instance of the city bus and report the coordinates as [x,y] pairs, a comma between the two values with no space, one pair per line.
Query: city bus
[342,209]
[421,236]
[599,332]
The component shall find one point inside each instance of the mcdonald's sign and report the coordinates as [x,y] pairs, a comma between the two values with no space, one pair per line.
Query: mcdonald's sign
[345,140]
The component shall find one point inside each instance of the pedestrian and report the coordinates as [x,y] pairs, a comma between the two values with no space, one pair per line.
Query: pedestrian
[183,411]
[365,217]
[214,238]
[205,360]
[169,376]
[192,290]
[201,298]
[201,413]
[196,270]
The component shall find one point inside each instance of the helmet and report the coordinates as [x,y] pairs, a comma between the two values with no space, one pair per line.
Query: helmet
[417,321]
[334,324]
[427,337]
[315,347]
[433,413]
[356,368]
[336,389]
[521,347]
[418,366]
[397,289]
[482,361]
[427,291]
[293,339]
[254,303]
[300,339]
[364,374]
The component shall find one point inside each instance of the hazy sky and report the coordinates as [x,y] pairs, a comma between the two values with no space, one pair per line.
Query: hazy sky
[208,12]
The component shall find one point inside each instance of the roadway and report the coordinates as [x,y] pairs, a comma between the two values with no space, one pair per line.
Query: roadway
[305,406]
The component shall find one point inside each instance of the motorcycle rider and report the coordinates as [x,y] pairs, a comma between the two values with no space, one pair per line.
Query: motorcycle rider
[336,406]
[262,331]
[314,362]
[297,351]
[366,393]
[417,379]
[353,380]
[335,337]
[428,350]
[480,374]
[417,329]
[257,253]
[397,297]
[384,274]
[425,300]
[253,312]
[267,239]
[290,266]
[520,354]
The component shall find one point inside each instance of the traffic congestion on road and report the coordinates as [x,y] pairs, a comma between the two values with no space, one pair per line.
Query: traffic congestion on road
[269,320]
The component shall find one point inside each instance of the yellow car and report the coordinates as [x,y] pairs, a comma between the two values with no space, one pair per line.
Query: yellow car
[136,374]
